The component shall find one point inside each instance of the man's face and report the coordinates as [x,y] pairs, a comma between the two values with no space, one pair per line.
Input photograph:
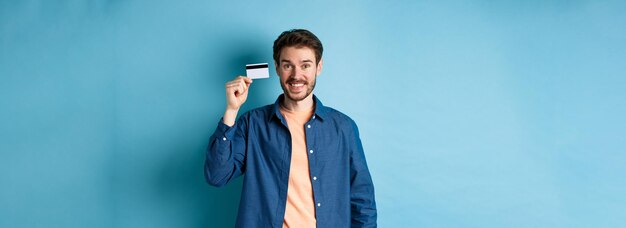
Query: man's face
[297,71]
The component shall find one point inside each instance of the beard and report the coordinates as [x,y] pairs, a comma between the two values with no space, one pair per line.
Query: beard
[298,96]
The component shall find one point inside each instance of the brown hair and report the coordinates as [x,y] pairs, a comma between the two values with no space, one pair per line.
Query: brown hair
[298,38]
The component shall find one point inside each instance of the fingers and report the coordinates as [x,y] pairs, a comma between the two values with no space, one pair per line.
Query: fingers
[236,88]
[247,80]
[239,85]
[240,79]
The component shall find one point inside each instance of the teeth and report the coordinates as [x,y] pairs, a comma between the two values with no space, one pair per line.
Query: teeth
[297,85]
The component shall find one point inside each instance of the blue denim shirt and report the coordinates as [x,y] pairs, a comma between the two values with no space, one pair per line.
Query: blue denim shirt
[259,146]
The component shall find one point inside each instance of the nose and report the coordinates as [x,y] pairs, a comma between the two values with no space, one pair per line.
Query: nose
[296,74]
[297,71]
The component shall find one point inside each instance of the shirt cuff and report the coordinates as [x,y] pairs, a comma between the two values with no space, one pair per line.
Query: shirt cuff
[224,131]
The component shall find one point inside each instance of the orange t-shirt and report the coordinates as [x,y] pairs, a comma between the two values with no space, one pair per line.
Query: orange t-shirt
[300,209]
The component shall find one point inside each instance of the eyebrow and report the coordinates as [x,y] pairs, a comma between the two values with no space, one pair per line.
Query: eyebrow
[303,61]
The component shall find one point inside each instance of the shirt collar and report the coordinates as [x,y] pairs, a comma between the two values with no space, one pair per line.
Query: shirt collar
[320,109]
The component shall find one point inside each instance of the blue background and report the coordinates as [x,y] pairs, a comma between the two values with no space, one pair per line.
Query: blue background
[472,114]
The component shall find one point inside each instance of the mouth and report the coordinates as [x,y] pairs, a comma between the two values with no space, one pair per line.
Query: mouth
[296,86]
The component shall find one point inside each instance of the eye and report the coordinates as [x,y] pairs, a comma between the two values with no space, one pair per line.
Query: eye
[287,66]
[306,66]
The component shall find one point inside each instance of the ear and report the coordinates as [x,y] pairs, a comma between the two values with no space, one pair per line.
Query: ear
[276,68]
[319,66]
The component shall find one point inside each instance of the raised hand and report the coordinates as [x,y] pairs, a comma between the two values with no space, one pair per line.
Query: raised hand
[236,95]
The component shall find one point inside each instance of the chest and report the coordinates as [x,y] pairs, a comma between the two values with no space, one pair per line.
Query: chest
[271,143]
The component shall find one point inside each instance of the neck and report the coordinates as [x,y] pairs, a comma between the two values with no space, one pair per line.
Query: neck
[298,106]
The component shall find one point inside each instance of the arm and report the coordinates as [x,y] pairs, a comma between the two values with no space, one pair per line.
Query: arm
[362,199]
[225,154]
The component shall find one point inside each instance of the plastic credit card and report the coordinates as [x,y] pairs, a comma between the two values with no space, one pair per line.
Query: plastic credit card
[257,70]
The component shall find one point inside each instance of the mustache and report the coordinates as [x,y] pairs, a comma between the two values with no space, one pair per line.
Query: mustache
[294,81]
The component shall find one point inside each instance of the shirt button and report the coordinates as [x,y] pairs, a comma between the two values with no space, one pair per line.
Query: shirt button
[313,116]
[308,126]
[311,151]
[319,204]
[314,178]
[224,139]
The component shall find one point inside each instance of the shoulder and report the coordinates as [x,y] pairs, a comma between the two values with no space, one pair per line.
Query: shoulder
[341,119]
[260,113]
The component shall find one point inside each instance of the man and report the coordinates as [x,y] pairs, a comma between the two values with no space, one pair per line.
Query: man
[303,162]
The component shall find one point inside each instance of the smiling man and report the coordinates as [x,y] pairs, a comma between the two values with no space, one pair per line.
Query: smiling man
[303,162]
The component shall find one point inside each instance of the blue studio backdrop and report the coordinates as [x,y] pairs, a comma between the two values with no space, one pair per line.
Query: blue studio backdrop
[472,113]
